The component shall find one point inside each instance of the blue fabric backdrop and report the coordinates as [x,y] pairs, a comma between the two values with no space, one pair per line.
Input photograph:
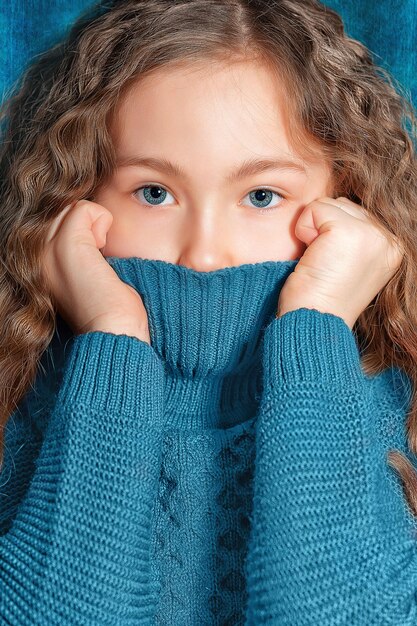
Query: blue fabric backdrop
[387,27]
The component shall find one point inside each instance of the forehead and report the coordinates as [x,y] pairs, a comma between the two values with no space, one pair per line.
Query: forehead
[244,86]
[210,101]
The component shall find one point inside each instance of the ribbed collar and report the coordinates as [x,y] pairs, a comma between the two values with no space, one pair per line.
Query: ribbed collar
[207,328]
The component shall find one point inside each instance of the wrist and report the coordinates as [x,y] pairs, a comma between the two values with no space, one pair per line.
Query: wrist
[310,345]
[282,310]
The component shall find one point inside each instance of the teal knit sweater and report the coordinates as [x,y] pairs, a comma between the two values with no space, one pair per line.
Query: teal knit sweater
[233,472]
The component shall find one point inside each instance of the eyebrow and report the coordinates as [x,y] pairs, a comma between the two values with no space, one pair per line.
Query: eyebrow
[247,168]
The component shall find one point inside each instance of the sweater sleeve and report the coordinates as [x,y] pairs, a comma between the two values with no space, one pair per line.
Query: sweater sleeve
[78,549]
[332,540]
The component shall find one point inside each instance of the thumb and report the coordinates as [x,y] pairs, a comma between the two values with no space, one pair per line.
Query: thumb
[100,228]
[305,228]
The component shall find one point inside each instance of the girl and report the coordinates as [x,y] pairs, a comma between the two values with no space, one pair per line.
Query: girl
[205,390]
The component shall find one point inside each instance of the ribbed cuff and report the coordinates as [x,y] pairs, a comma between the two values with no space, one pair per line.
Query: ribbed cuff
[117,374]
[308,345]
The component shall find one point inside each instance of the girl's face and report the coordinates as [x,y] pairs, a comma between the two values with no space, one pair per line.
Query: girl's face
[185,190]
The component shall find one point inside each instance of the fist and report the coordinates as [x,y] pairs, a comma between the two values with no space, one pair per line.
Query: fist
[86,290]
[348,260]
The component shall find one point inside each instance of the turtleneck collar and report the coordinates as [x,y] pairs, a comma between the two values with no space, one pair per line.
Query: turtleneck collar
[207,328]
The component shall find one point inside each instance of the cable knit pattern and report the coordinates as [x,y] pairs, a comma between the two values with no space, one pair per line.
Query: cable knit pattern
[202,526]
[231,473]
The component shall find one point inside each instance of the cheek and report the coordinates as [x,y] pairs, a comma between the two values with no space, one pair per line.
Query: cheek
[269,236]
[133,233]
[123,235]
[281,240]
[283,247]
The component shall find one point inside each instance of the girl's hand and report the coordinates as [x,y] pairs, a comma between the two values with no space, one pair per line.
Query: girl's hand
[87,291]
[347,262]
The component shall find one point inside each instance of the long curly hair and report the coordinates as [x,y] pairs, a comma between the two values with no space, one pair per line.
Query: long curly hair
[340,106]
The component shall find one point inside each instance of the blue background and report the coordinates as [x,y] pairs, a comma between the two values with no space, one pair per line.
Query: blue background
[387,27]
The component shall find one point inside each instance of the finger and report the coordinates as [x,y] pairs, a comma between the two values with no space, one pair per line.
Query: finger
[360,212]
[305,229]
[320,216]
[347,206]
[88,218]
[396,251]
[57,221]
[100,228]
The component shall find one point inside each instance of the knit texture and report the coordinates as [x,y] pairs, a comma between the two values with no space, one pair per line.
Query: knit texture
[232,472]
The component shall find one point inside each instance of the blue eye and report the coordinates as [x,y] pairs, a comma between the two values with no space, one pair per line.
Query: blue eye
[262,196]
[155,195]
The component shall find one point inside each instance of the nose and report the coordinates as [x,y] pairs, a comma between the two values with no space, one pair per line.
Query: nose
[207,240]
